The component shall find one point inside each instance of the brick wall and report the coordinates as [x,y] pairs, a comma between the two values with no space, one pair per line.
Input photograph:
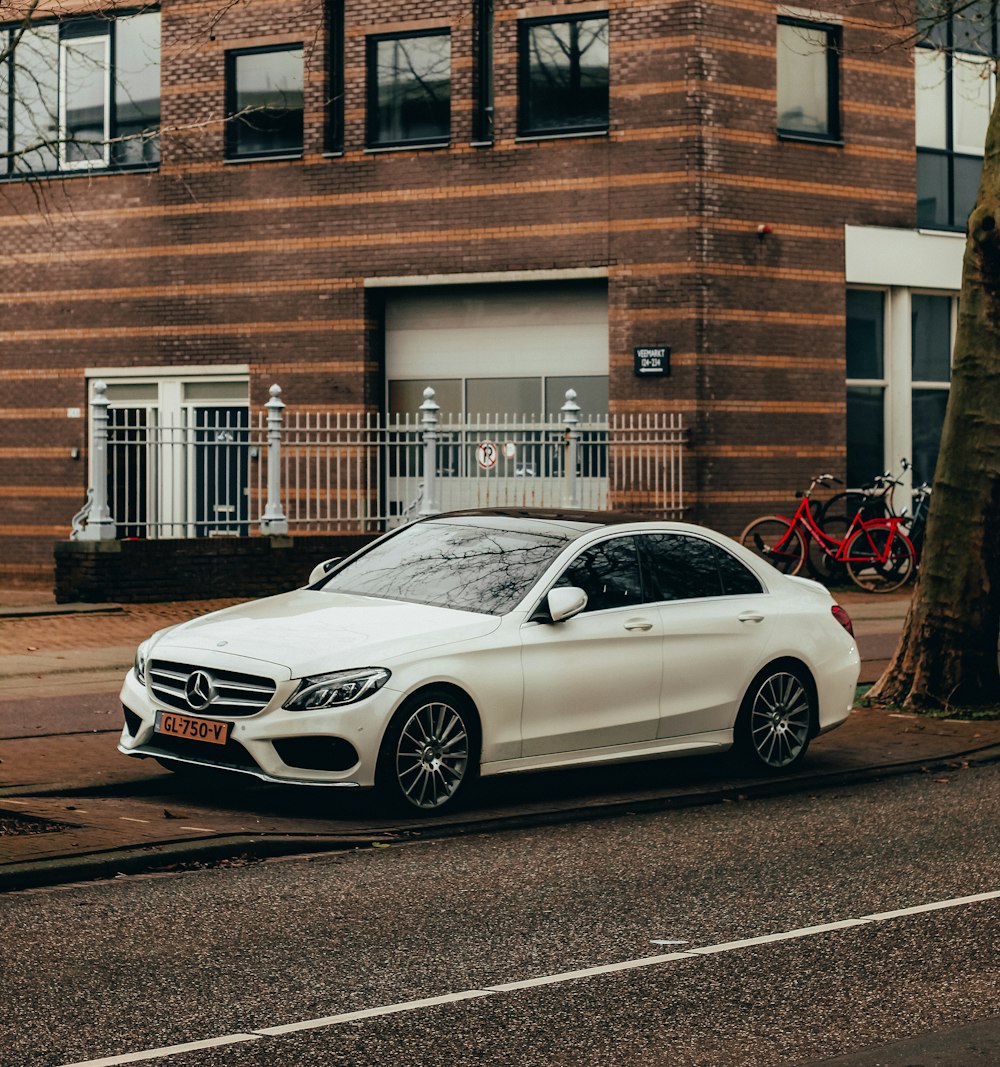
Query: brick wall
[133,572]
[264,263]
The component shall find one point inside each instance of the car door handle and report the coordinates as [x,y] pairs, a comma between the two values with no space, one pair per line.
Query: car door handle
[638,624]
[750,616]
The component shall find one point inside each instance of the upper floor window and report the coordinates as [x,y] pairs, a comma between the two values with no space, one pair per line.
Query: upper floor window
[564,75]
[808,80]
[409,89]
[955,88]
[80,94]
[264,88]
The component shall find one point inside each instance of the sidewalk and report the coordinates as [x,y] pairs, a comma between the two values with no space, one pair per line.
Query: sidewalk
[105,814]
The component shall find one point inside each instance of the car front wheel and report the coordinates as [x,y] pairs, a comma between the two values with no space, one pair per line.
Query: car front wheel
[430,753]
[775,721]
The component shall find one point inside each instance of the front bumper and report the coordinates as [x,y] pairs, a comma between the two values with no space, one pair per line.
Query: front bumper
[254,741]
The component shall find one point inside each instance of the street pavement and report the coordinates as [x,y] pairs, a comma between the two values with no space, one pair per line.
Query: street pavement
[104,814]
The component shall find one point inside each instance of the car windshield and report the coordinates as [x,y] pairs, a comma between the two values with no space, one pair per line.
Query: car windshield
[487,569]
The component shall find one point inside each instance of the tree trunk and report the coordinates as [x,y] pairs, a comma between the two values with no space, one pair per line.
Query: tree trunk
[947,655]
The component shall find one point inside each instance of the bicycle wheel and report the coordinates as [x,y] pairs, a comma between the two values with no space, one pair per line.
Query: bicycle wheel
[874,569]
[835,518]
[776,540]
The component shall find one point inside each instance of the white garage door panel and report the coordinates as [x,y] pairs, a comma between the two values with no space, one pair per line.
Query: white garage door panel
[503,331]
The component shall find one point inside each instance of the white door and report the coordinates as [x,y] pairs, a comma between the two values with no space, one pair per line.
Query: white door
[716,621]
[593,681]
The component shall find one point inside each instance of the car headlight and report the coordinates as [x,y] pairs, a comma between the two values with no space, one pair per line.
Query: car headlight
[139,666]
[332,690]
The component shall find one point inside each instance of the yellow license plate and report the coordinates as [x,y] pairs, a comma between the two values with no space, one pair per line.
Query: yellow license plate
[187,726]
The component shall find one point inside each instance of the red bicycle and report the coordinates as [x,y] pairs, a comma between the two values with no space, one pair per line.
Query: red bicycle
[876,554]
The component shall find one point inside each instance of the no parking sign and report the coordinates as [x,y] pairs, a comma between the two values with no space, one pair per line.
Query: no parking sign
[486,454]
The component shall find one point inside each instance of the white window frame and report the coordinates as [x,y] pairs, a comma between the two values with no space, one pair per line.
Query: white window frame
[897,381]
[65,46]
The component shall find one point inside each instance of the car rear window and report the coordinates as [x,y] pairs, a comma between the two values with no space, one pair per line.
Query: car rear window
[451,565]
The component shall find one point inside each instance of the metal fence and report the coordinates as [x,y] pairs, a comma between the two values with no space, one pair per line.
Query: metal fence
[230,473]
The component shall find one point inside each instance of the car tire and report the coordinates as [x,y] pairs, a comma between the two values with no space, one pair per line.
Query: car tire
[777,719]
[430,753]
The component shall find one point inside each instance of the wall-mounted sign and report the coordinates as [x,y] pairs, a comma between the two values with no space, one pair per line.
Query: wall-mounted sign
[652,360]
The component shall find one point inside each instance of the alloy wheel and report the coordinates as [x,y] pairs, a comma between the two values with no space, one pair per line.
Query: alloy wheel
[432,755]
[780,720]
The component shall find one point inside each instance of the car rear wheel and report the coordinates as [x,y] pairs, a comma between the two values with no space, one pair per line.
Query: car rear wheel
[775,721]
[430,752]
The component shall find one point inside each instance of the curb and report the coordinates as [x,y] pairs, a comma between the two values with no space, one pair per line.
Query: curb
[60,870]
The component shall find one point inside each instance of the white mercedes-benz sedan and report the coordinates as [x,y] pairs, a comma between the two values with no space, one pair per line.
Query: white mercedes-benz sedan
[487,642]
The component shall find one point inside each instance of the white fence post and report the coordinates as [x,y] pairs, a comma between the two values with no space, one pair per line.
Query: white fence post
[100,526]
[273,521]
[429,418]
[570,412]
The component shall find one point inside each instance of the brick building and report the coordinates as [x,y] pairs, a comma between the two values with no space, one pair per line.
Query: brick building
[494,199]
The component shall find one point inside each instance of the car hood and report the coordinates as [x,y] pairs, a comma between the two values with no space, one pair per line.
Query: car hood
[308,631]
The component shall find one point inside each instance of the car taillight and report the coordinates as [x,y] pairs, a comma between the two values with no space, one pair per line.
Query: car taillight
[843,618]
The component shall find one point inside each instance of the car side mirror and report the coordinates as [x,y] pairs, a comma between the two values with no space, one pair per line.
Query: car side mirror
[321,570]
[565,602]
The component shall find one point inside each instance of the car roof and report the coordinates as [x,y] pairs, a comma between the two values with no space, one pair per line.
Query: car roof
[573,521]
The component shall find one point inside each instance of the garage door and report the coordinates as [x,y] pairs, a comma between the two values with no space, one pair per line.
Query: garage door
[506,349]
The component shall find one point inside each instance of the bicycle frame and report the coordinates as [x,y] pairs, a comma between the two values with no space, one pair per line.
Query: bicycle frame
[834,547]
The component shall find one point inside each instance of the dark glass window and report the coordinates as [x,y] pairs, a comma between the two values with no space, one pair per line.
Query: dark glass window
[931,337]
[955,87]
[564,75]
[865,433]
[608,573]
[483,71]
[865,341]
[335,75]
[409,89]
[451,564]
[865,334]
[808,80]
[928,408]
[265,98]
[678,567]
[81,94]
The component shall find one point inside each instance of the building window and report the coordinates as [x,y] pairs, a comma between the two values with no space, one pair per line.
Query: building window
[335,75]
[899,346]
[955,88]
[564,75]
[482,131]
[866,383]
[80,95]
[264,89]
[808,80]
[409,89]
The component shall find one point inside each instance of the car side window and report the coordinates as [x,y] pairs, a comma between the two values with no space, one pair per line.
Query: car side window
[608,573]
[679,567]
[737,579]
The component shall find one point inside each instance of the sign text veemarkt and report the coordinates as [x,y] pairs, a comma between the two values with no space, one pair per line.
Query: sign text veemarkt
[652,360]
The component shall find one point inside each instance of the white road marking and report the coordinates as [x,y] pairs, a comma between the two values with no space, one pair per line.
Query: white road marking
[125,818]
[533,983]
[203,829]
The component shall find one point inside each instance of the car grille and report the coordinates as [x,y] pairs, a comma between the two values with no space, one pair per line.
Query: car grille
[235,694]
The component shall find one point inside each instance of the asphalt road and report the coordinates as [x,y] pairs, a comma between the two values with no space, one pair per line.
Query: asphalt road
[137,964]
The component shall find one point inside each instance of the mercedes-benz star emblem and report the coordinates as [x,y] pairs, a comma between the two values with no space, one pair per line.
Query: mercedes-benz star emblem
[199,691]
